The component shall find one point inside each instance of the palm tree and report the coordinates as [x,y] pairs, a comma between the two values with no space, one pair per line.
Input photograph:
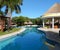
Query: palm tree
[1,5]
[11,5]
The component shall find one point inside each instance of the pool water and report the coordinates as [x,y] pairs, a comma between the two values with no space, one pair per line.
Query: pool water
[30,39]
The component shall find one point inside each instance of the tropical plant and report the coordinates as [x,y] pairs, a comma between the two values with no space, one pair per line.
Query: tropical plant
[10,6]
[1,13]
[13,5]
[21,19]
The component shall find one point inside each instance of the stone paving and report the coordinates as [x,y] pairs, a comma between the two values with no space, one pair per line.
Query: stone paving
[54,36]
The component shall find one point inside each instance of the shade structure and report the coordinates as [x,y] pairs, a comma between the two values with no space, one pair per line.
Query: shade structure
[54,11]
[53,14]
[28,23]
[25,23]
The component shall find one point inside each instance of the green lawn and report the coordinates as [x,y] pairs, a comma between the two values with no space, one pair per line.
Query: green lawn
[10,31]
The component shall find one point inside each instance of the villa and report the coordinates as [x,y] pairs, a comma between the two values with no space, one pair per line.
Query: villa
[52,16]
[4,22]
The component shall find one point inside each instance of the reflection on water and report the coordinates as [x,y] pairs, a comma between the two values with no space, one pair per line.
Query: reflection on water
[31,39]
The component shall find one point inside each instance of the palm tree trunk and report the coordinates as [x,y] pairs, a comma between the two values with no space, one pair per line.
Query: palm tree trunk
[8,18]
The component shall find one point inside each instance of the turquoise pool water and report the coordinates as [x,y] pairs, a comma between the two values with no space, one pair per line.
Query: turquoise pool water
[30,39]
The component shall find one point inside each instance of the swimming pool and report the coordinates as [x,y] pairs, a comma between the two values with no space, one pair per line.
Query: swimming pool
[31,39]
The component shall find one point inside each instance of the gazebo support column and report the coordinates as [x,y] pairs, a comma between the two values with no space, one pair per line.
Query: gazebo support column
[43,23]
[59,23]
[53,23]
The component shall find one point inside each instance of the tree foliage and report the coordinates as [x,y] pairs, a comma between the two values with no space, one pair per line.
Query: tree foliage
[21,19]
[37,21]
[13,5]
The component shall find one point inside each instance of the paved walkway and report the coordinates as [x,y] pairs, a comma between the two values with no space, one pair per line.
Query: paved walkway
[12,34]
[55,37]
[52,35]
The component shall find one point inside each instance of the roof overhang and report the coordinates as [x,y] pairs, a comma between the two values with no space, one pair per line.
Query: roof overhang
[50,15]
[4,16]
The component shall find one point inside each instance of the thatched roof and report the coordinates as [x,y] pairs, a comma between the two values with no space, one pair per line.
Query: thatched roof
[54,11]
[25,23]
[29,22]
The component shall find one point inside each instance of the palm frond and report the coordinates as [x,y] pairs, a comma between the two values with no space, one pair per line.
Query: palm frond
[14,5]
[6,10]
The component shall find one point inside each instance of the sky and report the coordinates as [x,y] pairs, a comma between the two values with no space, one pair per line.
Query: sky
[35,8]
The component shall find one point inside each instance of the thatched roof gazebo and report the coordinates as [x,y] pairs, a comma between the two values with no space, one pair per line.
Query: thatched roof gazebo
[25,23]
[28,23]
[53,14]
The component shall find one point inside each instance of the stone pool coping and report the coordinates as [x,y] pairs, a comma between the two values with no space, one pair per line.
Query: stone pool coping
[52,34]
[12,34]
[50,29]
